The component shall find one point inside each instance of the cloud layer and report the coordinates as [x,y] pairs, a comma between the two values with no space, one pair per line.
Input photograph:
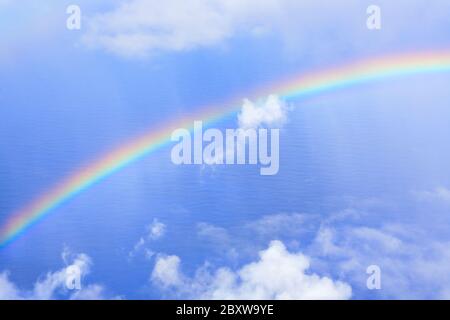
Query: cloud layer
[140,27]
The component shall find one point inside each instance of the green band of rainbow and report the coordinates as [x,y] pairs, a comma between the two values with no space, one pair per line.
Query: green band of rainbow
[297,87]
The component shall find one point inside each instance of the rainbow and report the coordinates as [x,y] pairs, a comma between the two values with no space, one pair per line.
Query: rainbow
[303,86]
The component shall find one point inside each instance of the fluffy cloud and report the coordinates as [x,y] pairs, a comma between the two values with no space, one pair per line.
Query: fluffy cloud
[156,229]
[278,274]
[269,112]
[53,285]
[140,27]
[167,271]
[8,290]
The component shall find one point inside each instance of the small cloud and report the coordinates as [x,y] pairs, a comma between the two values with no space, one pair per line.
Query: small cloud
[154,231]
[269,112]
[148,253]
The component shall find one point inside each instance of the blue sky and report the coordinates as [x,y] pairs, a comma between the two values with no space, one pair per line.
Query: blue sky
[363,177]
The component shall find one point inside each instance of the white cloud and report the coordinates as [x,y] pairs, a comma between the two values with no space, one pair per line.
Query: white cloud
[140,27]
[46,288]
[154,231]
[8,290]
[167,271]
[278,274]
[269,112]
[53,284]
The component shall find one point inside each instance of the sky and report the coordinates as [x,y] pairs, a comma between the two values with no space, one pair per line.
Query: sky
[363,175]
